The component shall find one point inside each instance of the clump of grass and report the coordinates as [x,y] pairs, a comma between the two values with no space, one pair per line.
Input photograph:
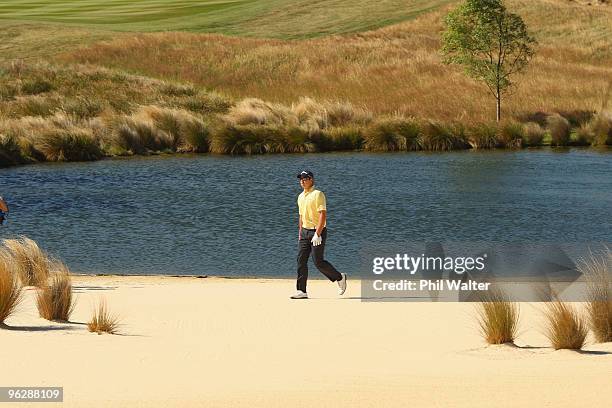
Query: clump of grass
[139,135]
[11,290]
[69,144]
[253,111]
[534,134]
[565,328]
[438,136]
[559,129]
[498,318]
[10,151]
[388,134]
[188,132]
[103,321]
[36,86]
[511,135]
[30,262]
[598,271]
[343,138]
[483,136]
[584,135]
[54,300]
[257,139]
[601,127]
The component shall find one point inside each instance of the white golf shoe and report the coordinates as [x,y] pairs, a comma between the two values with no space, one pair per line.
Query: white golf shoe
[299,295]
[342,284]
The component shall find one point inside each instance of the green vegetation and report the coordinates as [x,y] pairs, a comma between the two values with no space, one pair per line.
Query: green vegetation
[491,43]
[255,18]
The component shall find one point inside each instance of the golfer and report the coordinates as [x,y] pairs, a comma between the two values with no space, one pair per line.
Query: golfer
[312,235]
[4,210]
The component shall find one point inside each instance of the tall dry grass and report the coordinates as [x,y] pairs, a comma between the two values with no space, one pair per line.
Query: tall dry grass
[598,272]
[30,262]
[565,326]
[396,69]
[498,318]
[103,321]
[55,300]
[11,290]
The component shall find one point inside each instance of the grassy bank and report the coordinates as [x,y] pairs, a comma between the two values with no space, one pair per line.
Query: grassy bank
[396,69]
[79,113]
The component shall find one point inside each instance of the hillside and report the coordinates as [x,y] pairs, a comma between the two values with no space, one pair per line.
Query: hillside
[393,69]
[255,18]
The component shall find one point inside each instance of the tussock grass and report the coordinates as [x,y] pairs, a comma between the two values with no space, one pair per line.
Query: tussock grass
[393,134]
[30,262]
[559,129]
[498,319]
[511,134]
[598,272]
[601,127]
[534,134]
[54,300]
[11,289]
[565,327]
[102,320]
[483,136]
[439,136]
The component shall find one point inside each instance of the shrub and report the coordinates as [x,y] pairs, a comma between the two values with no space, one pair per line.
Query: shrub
[584,136]
[30,262]
[11,290]
[534,134]
[483,136]
[438,136]
[54,300]
[392,134]
[598,271]
[559,129]
[498,319]
[103,321]
[565,328]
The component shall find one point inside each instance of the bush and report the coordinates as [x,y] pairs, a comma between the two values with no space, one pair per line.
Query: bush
[54,300]
[559,129]
[343,138]
[103,321]
[565,328]
[392,134]
[598,272]
[534,134]
[10,151]
[584,136]
[29,261]
[498,319]
[139,135]
[188,132]
[601,126]
[11,290]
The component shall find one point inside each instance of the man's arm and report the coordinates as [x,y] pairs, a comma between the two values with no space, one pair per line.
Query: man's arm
[322,218]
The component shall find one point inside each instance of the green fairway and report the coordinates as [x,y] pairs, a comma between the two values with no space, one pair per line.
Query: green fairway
[260,18]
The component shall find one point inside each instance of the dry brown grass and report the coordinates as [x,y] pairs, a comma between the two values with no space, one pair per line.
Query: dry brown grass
[565,327]
[30,262]
[103,321]
[396,69]
[11,289]
[598,272]
[498,319]
[54,300]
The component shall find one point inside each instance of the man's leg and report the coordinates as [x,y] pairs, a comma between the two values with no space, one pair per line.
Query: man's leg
[304,248]
[325,267]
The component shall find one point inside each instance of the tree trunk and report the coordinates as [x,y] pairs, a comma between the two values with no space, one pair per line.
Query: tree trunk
[498,110]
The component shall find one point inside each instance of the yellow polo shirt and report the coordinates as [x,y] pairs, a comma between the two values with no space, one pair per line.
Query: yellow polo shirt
[310,202]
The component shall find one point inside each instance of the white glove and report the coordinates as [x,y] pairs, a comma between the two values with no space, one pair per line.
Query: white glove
[316,240]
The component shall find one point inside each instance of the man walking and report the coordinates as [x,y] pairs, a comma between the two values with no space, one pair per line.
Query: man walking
[312,235]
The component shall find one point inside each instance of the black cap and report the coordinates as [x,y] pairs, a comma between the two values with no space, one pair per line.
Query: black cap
[305,174]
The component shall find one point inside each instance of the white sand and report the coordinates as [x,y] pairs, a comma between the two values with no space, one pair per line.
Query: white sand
[210,342]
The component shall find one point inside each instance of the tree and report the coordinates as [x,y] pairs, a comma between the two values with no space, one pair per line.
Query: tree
[491,43]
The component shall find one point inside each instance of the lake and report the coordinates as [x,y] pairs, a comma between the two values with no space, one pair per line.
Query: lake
[237,216]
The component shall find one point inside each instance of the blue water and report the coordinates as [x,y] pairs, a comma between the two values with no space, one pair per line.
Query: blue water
[237,216]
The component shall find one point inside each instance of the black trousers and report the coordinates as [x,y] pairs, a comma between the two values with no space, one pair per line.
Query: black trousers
[305,250]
